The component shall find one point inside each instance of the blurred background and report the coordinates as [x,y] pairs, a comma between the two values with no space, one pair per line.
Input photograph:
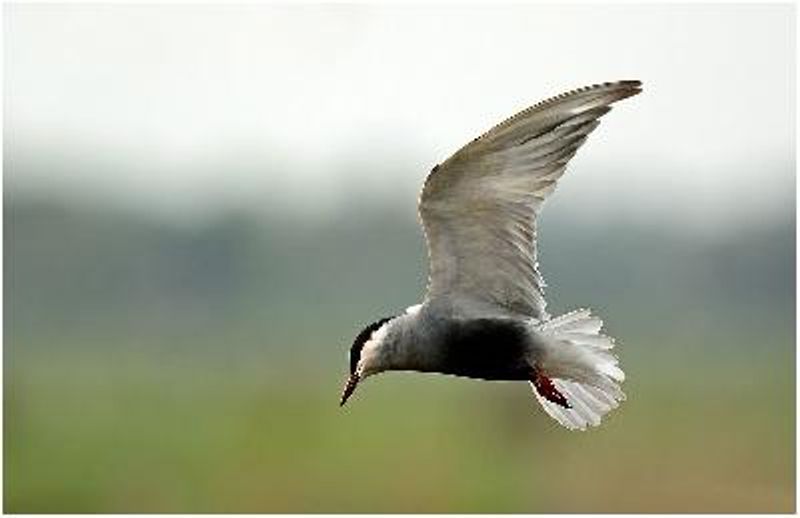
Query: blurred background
[204,204]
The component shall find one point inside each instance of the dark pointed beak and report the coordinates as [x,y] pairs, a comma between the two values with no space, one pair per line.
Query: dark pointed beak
[349,388]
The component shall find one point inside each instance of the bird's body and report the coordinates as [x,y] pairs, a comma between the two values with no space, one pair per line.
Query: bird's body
[433,338]
[484,315]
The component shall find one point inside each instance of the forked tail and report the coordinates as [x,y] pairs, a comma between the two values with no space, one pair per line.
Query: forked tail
[576,378]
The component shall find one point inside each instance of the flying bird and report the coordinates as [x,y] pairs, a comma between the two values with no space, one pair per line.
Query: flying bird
[484,314]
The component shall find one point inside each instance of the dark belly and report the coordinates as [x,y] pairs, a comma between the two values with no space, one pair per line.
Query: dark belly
[490,349]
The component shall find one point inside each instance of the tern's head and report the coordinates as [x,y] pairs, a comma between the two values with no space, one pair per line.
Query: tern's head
[367,354]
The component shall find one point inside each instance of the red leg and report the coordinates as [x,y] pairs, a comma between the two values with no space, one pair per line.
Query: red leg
[546,389]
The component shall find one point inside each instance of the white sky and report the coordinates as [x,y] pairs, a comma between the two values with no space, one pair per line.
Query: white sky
[182,108]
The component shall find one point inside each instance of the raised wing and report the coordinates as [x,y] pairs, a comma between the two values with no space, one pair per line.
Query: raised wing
[479,207]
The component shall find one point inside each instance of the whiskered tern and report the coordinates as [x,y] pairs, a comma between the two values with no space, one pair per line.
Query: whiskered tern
[484,315]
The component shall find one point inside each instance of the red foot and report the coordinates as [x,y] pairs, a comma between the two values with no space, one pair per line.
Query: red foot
[546,389]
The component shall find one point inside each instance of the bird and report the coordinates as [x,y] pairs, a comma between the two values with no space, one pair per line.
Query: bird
[484,313]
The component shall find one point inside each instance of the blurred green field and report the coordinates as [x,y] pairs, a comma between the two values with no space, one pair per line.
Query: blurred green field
[150,368]
[122,433]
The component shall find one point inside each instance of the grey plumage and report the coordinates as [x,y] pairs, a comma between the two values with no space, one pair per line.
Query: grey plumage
[479,207]
[484,314]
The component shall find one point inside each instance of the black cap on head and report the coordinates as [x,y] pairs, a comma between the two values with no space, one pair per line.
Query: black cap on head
[361,339]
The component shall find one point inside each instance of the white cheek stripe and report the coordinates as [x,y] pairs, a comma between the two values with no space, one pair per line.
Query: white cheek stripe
[370,350]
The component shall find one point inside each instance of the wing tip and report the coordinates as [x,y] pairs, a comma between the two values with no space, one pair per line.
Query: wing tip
[623,88]
[633,83]
[610,92]
[626,88]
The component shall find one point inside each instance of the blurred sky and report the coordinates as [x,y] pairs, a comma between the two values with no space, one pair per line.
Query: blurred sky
[182,109]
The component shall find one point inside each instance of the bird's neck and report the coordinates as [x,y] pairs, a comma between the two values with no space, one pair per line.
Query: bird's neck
[408,344]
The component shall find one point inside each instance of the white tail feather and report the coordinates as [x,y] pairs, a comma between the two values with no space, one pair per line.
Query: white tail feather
[577,357]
